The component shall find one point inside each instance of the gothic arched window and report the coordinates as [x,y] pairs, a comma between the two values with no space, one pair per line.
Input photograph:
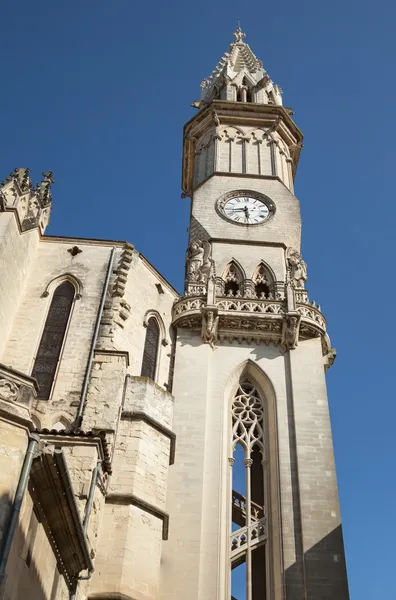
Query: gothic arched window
[150,352]
[233,278]
[48,353]
[262,281]
[248,503]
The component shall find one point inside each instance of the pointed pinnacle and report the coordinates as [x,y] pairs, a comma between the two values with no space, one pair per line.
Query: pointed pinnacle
[239,35]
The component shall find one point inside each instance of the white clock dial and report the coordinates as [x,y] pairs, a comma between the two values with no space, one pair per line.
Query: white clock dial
[245,210]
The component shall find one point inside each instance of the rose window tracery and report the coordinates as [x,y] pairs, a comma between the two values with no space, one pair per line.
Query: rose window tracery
[247,416]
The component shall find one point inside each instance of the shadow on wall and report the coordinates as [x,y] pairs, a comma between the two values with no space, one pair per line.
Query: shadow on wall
[23,578]
[325,571]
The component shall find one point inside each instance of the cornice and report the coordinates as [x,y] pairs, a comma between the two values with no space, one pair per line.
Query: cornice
[253,320]
[219,112]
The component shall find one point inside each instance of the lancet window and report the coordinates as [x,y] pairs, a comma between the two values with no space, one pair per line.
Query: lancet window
[262,282]
[232,278]
[52,339]
[248,504]
[150,352]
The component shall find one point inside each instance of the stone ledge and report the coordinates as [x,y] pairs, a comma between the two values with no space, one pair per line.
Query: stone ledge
[119,353]
[142,416]
[17,392]
[145,396]
[145,506]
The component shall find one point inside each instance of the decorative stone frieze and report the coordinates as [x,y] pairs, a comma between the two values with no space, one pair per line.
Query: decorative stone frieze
[8,390]
[258,320]
[17,392]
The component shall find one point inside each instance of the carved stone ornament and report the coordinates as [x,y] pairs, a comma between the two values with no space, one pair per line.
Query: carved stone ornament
[297,268]
[8,391]
[199,263]
[210,323]
[290,330]
[329,358]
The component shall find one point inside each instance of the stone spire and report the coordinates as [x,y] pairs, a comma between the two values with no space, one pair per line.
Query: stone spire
[240,76]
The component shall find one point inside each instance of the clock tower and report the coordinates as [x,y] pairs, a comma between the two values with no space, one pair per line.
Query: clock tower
[252,496]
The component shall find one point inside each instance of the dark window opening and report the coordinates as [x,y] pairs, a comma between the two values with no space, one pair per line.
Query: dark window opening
[150,353]
[249,96]
[51,343]
[239,95]
[231,286]
[262,290]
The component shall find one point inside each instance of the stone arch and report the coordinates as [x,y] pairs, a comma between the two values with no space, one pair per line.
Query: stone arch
[244,78]
[155,339]
[61,423]
[54,332]
[259,159]
[233,278]
[154,313]
[231,150]
[36,421]
[54,283]
[230,129]
[263,278]
[250,371]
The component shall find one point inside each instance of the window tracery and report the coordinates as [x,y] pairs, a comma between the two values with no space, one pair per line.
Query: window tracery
[150,352]
[233,278]
[262,282]
[52,339]
[248,509]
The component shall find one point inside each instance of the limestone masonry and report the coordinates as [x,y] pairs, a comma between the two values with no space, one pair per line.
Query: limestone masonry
[158,446]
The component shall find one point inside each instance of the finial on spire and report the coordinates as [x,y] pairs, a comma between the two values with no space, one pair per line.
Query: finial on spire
[239,35]
[48,177]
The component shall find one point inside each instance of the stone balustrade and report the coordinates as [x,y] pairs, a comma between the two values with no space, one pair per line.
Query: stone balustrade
[253,319]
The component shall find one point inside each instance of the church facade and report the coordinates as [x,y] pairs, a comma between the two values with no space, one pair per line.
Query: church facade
[166,446]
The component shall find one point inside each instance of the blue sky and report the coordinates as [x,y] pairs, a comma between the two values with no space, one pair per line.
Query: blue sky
[99,92]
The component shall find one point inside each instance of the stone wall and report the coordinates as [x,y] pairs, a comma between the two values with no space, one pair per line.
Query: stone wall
[134,521]
[284,227]
[87,271]
[17,254]
[198,488]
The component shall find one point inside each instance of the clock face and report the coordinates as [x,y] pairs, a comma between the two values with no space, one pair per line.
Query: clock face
[246,210]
